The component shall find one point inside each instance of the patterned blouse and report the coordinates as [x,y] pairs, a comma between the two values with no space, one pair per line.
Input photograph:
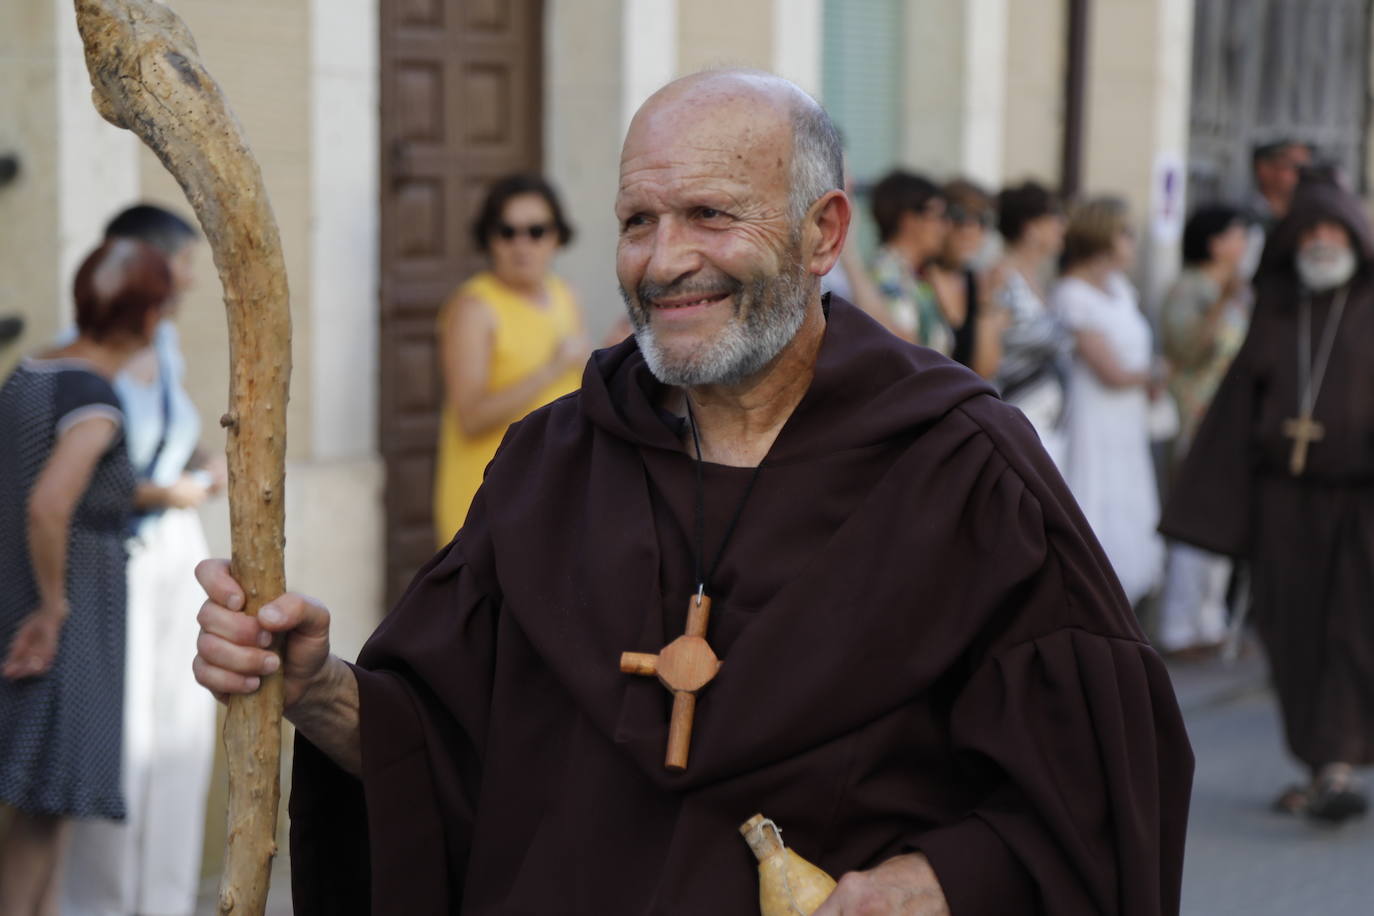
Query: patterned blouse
[912,301]
[1198,364]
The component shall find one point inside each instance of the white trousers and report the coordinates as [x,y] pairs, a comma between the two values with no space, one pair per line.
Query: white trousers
[1192,609]
[151,863]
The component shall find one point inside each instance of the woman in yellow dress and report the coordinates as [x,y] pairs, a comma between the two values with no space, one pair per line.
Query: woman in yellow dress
[511,339]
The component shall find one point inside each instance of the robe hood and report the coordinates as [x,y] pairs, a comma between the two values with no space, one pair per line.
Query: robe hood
[1318,198]
[582,598]
[865,390]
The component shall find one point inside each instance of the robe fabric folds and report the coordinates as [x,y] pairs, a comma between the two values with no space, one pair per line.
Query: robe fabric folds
[924,649]
[1308,540]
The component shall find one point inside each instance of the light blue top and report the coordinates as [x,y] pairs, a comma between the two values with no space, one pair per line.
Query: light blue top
[143,412]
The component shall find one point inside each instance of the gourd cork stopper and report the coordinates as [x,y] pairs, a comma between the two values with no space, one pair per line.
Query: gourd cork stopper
[762,836]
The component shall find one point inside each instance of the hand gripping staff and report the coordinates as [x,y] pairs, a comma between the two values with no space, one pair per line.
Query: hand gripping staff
[148,78]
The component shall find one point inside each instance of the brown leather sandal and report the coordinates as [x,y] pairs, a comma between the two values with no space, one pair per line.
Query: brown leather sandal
[1335,798]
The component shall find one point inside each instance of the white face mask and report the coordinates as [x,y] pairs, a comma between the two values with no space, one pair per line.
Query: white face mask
[1323,266]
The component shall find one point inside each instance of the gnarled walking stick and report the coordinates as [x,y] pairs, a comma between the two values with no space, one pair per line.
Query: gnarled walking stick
[148,78]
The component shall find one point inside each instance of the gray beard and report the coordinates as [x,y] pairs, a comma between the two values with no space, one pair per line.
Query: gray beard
[768,313]
[1320,272]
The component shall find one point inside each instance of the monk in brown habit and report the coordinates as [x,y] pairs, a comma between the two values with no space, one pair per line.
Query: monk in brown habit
[930,677]
[1282,475]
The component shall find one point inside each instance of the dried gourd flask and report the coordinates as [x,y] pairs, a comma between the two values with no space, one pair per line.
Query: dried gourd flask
[788,884]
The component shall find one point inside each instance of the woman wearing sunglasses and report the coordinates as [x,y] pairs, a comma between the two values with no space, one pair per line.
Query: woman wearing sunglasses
[510,339]
[967,298]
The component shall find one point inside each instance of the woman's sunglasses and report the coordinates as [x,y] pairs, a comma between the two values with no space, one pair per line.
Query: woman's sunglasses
[961,217]
[534,231]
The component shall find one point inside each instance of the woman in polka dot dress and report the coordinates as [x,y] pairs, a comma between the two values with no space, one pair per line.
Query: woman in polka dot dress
[66,493]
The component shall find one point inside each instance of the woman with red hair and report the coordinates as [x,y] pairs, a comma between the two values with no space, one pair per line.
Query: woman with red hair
[66,492]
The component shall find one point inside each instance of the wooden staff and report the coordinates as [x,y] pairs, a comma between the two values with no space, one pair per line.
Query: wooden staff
[148,78]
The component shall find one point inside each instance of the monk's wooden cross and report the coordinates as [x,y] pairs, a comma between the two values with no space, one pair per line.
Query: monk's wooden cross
[684,666]
[1303,431]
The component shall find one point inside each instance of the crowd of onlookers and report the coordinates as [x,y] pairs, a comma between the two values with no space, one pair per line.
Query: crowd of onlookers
[106,743]
[1033,293]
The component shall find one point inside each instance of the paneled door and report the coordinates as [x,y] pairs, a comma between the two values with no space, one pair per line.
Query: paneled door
[461,104]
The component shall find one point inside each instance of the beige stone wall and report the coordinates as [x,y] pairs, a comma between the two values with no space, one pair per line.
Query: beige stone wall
[258,50]
[955,88]
[1139,68]
[29,283]
[588,100]
[344,224]
[75,168]
[782,36]
[725,33]
[1033,136]
[98,162]
[797,42]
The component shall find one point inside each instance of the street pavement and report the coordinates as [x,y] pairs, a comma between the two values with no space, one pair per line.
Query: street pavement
[1241,858]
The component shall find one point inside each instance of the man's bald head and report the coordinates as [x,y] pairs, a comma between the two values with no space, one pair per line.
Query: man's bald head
[766,108]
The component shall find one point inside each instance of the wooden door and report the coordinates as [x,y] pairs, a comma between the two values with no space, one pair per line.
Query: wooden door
[460,105]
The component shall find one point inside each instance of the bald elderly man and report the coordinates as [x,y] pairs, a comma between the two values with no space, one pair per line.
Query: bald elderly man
[930,678]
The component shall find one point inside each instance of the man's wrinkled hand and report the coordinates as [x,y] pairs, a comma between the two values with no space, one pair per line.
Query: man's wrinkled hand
[233,652]
[904,886]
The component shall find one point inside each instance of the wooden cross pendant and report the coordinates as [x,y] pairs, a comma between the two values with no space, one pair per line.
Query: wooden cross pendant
[684,666]
[1303,431]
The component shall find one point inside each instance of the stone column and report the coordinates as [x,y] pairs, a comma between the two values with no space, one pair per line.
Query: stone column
[1139,77]
[955,88]
[97,162]
[75,169]
[588,102]
[725,33]
[343,228]
[797,42]
[1033,122]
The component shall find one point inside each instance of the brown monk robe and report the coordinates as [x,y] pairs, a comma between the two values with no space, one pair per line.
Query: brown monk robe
[924,649]
[1308,536]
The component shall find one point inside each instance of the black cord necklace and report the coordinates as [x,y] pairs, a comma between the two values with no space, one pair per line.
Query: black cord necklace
[688,664]
[703,575]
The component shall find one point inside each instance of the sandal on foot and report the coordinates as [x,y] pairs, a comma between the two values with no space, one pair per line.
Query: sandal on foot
[1293,800]
[1336,802]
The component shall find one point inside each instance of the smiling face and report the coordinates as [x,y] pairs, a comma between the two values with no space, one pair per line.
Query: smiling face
[714,273]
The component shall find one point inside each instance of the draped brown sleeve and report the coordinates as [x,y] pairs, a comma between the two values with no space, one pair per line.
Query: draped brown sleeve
[1066,723]
[1091,814]
[398,839]
[1210,502]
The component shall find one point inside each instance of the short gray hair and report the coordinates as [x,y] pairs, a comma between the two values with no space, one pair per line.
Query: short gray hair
[817,157]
